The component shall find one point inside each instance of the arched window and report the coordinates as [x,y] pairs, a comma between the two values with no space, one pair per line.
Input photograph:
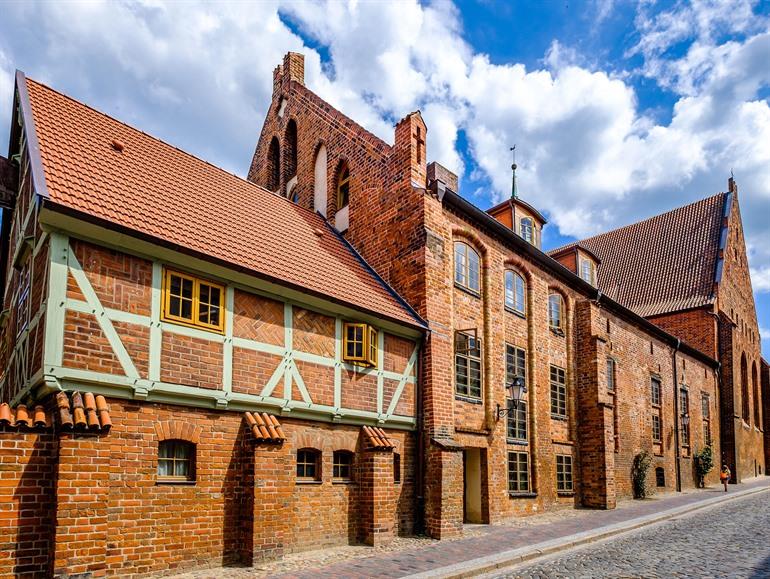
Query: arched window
[755,391]
[527,229]
[274,165]
[308,464]
[290,159]
[515,287]
[319,181]
[176,461]
[467,263]
[343,186]
[556,312]
[342,466]
[744,388]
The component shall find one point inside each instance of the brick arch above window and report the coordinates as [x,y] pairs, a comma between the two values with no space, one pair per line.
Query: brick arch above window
[311,439]
[518,266]
[343,440]
[473,240]
[177,430]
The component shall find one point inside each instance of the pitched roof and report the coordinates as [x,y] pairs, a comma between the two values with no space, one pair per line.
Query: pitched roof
[110,171]
[663,264]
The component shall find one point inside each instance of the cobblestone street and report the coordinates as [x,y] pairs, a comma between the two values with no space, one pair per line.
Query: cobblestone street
[729,540]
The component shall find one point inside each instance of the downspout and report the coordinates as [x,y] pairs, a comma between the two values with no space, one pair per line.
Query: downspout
[420,467]
[676,418]
[725,421]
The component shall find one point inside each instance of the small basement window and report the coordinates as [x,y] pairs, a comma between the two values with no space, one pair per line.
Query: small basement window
[360,344]
[308,465]
[343,466]
[193,301]
[176,461]
[660,477]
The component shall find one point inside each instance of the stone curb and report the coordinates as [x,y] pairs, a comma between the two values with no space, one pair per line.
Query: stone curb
[475,567]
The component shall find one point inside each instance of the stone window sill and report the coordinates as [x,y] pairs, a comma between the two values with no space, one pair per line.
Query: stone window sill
[173,481]
[566,493]
[516,495]
[519,441]
[467,399]
[557,331]
[559,417]
[468,291]
[342,481]
[516,313]
[308,482]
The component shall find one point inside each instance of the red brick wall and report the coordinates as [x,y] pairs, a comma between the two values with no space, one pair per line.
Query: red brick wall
[27,502]
[743,439]
[695,327]
[150,526]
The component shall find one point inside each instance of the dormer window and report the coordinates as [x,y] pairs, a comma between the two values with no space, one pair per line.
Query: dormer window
[588,270]
[528,230]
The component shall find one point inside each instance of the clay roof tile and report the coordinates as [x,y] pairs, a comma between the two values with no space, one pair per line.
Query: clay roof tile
[156,191]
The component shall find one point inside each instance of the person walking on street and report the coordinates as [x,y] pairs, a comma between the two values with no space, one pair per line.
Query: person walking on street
[724,476]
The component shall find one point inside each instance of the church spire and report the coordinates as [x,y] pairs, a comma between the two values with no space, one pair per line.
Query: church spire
[514,194]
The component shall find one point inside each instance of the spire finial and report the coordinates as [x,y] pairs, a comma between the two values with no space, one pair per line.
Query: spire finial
[514,194]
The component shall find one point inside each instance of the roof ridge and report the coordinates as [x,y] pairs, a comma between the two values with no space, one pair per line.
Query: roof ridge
[366,131]
[635,223]
[166,144]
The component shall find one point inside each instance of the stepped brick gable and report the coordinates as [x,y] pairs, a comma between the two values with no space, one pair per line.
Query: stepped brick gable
[200,370]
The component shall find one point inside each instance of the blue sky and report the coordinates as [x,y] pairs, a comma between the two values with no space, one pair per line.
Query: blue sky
[619,109]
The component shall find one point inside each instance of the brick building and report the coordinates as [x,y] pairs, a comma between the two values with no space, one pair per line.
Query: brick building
[202,369]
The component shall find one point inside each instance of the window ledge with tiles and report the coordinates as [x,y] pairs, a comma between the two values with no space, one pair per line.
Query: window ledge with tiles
[519,441]
[559,417]
[468,399]
[174,481]
[308,482]
[566,493]
[468,291]
[515,495]
[558,331]
[517,313]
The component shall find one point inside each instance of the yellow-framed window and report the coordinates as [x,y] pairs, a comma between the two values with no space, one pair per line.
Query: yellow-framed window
[360,344]
[193,301]
[355,342]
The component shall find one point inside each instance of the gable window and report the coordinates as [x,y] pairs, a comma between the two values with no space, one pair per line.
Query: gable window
[192,301]
[527,230]
[555,312]
[308,465]
[684,409]
[744,389]
[515,287]
[467,273]
[588,270]
[518,472]
[360,344]
[274,165]
[558,393]
[176,461]
[563,473]
[396,468]
[705,409]
[655,391]
[343,186]
[342,466]
[467,364]
[610,375]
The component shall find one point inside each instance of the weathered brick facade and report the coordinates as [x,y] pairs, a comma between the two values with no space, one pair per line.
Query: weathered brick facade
[442,457]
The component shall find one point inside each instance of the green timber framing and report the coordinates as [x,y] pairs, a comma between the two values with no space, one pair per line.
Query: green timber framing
[56,376]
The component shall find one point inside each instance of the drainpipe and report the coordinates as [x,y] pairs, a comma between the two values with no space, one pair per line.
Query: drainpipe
[419,522]
[726,422]
[676,419]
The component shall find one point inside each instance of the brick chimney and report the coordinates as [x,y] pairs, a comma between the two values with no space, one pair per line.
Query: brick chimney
[294,67]
[410,148]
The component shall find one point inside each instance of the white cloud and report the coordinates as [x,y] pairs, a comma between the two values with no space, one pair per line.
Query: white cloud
[760,280]
[201,77]
[6,96]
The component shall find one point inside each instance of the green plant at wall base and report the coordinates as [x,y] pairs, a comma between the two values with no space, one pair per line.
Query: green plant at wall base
[704,464]
[639,470]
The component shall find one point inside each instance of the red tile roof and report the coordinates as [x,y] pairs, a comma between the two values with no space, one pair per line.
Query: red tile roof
[110,171]
[376,438]
[21,416]
[663,264]
[83,411]
[265,427]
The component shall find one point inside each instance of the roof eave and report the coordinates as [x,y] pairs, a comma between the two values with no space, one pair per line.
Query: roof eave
[30,135]
[565,275]
[59,208]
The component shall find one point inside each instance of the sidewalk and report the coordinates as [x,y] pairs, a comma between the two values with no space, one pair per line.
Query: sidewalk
[501,545]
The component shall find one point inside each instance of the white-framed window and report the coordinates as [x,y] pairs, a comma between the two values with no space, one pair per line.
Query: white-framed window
[558,392]
[588,270]
[528,229]
[556,311]
[467,267]
[515,291]
[467,365]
